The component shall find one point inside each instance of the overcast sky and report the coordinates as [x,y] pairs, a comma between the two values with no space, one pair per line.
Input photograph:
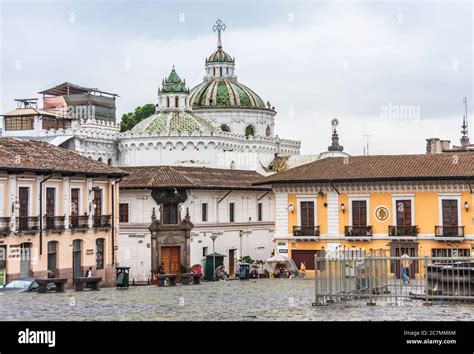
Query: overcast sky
[362,62]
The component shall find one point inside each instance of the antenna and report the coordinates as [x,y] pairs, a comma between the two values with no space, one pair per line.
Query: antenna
[465,124]
[366,144]
[465,127]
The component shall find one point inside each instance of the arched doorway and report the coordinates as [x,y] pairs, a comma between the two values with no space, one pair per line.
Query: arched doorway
[25,260]
[249,131]
[76,258]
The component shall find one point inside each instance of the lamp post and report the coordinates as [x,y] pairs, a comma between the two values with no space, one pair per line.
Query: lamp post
[213,238]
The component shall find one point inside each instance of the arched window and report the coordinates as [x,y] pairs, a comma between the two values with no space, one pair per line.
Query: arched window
[232,165]
[99,253]
[213,71]
[99,159]
[168,102]
[227,71]
[220,72]
[176,102]
[109,161]
[225,128]
[249,131]
[268,132]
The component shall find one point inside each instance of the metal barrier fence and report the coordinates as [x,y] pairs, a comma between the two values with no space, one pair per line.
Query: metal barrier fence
[357,275]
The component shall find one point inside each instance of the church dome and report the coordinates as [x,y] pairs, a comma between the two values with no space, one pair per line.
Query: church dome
[219,56]
[226,94]
[167,122]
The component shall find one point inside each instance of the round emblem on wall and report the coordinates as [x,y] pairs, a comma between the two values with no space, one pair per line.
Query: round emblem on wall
[382,213]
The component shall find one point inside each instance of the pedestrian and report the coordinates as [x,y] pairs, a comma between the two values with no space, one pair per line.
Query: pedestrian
[89,273]
[406,262]
[302,270]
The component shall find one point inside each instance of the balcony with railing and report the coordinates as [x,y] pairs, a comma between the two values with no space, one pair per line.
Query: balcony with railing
[358,231]
[311,231]
[102,221]
[79,222]
[27,224]
[405,230]
[54,223]
[4,225]
[449,231]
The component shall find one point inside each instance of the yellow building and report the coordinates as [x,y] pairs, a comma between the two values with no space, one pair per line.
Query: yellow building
[57,212]
[418,204]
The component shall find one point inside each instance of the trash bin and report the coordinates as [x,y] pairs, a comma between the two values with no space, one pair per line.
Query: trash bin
[123,277]
[244,271]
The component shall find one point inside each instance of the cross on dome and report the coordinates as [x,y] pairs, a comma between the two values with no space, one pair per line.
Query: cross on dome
[219,27]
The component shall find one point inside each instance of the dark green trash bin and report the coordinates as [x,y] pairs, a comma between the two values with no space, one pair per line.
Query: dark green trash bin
[210,267]
[244,271]
[123,277]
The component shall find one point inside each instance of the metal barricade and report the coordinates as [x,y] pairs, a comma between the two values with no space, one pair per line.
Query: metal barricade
[345,275]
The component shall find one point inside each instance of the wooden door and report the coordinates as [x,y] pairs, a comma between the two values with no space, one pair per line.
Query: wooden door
[171,259]
[403,213]
[359,213]
[307,214]
[50,199]
[23,196]
[75,201]
[450,217]
[231,262]
[98,202]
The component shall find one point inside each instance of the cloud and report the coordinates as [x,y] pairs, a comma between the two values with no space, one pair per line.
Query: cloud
[344,60]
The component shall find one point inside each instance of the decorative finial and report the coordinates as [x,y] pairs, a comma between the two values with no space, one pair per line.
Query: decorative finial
[219,27]
[335,137]
[465,131]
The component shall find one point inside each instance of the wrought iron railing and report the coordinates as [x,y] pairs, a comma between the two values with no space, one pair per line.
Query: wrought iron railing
[4,225]
[102,221]
[358,230]
[79,222]
[306,231]
[406,230]
[27,223]
[54,223]
[449,231]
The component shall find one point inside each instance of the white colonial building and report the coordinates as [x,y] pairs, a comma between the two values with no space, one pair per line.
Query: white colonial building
[217,202]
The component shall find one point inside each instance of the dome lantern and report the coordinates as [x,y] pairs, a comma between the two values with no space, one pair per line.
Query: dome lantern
[173,94]
[220,65]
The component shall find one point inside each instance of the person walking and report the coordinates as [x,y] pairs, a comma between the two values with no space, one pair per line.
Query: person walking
[406,262]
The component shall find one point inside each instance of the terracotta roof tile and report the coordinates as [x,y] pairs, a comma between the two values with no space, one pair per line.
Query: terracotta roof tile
[39,156]
[189,177]
[380,167]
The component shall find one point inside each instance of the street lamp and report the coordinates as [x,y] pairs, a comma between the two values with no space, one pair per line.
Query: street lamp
[213,238]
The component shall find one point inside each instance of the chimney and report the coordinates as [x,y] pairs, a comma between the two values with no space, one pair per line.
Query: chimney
[433,146]
[445,145]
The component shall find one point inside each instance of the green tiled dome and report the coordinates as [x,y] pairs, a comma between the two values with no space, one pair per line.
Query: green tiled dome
[225,93]
[177,122]
[219,56]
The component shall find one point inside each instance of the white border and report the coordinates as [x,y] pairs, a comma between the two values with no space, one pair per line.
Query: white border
[395,198]
[354,197]
[446,196]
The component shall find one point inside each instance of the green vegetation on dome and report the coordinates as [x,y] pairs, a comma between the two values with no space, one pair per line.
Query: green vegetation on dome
[173,83]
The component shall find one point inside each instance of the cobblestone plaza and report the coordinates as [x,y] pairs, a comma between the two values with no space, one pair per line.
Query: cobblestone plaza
[262,300]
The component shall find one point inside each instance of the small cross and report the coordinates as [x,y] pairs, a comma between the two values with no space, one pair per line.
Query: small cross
[218,27]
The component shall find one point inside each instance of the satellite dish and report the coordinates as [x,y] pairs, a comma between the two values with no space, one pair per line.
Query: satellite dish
[335,122]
